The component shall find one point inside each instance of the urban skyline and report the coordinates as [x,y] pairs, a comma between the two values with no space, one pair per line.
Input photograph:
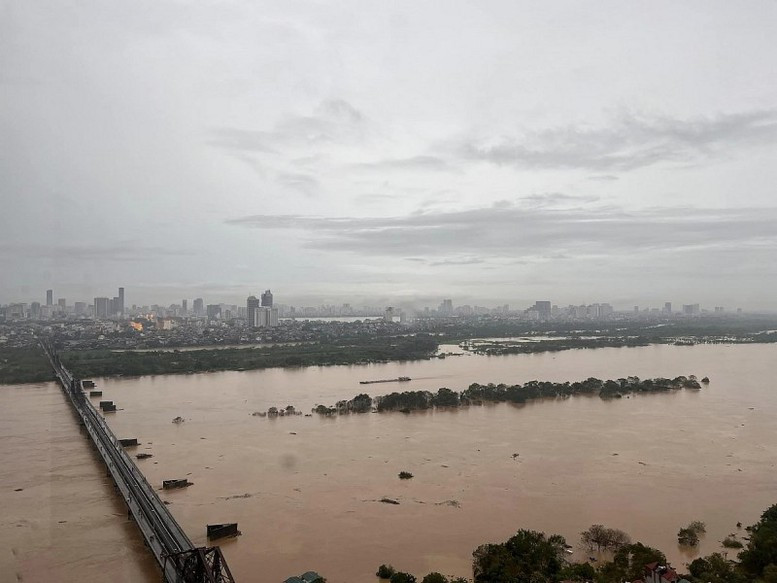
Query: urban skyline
[263,312]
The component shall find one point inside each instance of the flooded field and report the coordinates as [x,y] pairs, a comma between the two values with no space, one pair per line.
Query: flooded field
[305,490]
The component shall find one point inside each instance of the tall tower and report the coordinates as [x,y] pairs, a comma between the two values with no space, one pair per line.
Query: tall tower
[199,309]
[49,297]
[252,309]
[101,308]
[120,306]
[184,306]
[267,299]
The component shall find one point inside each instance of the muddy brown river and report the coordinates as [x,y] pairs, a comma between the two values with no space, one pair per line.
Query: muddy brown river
[305,490]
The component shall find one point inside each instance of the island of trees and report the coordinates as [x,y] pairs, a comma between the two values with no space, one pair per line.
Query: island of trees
[477,394]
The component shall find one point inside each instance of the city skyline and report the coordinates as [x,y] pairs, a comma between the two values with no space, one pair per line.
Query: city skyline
[263,311]
[460,167]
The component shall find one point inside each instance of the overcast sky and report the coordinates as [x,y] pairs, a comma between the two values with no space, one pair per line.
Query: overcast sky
[489,151]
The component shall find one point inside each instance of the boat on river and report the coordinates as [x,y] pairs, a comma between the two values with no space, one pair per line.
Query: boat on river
[396,380]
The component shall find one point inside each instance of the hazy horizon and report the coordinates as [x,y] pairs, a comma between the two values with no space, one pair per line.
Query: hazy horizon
[497,152]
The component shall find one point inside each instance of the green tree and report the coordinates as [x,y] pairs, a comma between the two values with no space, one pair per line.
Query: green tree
[628,563]
[400,577]
[435,578]
[525,555]
[715,568]
[687,537]
[385,571]
[600,537]
[761,551]
[577,572]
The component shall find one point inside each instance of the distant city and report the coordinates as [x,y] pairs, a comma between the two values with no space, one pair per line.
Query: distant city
[262,312]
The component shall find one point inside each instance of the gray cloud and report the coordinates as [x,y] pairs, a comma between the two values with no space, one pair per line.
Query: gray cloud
[410,163]
[303,183]
[632,141]
[470,261]
[333,121]
[118,252]
[520,232]
[557,199]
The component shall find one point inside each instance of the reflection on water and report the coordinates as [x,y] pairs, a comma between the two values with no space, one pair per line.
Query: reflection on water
[306,490]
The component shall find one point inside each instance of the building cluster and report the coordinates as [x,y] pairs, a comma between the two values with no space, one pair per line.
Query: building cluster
[261,313]
[101,308]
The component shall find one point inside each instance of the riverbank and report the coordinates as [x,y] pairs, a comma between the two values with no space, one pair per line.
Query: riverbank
[24,365]
[105,363]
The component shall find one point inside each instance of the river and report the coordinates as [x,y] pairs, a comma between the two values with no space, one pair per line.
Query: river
[305,490]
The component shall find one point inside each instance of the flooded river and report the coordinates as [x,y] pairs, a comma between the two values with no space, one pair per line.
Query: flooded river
[305,490]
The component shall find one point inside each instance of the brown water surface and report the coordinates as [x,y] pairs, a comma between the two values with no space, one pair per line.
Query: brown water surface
[65,524]
[305,490]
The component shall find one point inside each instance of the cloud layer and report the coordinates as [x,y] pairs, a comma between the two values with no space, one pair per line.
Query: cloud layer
[630,142]
[511,231]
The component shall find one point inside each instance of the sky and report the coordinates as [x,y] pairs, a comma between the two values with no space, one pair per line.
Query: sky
[390,152]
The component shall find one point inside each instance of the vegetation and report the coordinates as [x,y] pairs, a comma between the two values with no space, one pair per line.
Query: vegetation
[477,394]
[628,563]
[689,536]
[526,556]
[97,363]
[24,365]
[400,577]
[405,475]
[439,578]
[385,571]
[731,543]
[602,538]
[759,558]
[556,345]
[714,568]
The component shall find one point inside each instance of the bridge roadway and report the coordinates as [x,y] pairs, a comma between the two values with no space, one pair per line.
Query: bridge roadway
[179,559]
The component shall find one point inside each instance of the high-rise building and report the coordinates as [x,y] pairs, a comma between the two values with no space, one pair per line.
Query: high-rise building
[213,311]
[35,310]
[49,297]
[80,308]
[252,308]
[119,307]
[264,317]
[101,308]
[446,307]
[267,299]
[388,315]
[667,307]
[198,307]
[184,307]
[543,308]
[61,304]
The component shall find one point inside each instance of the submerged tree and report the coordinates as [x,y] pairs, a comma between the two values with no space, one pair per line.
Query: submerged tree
[601,538]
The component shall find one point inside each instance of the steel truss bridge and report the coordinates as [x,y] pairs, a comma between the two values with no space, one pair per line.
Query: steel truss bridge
[179,559]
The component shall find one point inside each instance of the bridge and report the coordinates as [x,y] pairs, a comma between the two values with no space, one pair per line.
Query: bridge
[179,559]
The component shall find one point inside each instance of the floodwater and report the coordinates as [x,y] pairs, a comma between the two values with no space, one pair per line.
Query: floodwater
[305,490]
[64,523]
